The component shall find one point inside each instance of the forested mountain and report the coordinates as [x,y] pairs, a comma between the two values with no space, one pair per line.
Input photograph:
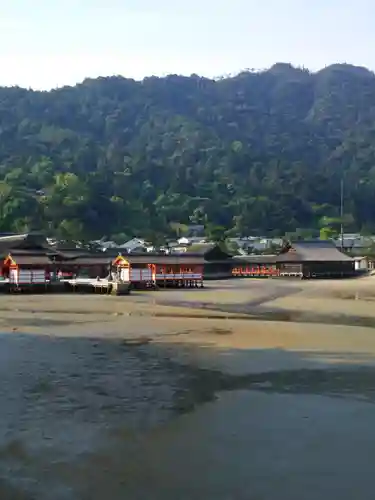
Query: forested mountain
[258,153]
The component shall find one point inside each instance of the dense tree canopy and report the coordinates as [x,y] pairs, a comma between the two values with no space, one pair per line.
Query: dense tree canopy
[257,153]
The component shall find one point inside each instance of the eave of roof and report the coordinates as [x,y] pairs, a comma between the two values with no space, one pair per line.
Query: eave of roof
[164,259]
[86,261]
[312,251]
[31,260]
[255,259]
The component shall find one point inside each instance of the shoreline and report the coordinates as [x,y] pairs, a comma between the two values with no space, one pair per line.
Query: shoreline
[122,384]
[342,302]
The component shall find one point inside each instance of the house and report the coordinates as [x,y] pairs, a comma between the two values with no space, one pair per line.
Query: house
[362,263]
[84,266]
[30,254]
[164,270]
[192,240]
[136,245]
[314,258]
[259,244]
[27,259]
[26,242]
[354,242]
[27,269]
[104,245]
[190,266]
[309,259]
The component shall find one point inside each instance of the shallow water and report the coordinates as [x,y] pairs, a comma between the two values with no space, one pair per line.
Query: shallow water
[96,418]
[63,399]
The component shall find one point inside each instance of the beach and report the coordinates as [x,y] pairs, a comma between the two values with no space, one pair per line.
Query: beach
[245,389]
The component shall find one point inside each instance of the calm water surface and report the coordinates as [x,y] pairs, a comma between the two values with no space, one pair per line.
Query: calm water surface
[93,419]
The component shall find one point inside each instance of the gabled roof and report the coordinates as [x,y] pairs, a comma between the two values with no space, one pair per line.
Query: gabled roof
[27,241]
[29,259]
[255,259]
[24,240]
[34,243]
[88,260]
[134,243]
[159,258]
[312,250]
[70,254]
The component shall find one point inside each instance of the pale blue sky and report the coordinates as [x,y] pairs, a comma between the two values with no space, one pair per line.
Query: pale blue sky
[49,43]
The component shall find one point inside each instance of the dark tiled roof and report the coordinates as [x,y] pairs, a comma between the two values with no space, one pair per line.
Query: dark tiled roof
[149,258]
[71,254]
[25,251]
[31,260]
[313,251]
[26,238]
[113,252]
[255,259]
[90,260]
[25,242]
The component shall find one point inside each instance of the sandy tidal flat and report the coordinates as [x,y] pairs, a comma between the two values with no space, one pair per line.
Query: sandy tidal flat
[226,392]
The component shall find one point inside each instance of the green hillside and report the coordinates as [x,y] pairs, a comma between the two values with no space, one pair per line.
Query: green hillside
[258,153]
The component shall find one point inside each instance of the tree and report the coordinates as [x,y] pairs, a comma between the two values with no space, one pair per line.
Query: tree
[179,229]
[215,233]
[328,233]
[261,153]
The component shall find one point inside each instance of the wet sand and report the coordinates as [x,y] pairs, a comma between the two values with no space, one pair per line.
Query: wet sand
[247,389]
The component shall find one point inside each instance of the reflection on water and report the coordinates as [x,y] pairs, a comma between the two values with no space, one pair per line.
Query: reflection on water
[65,400]
[357,383]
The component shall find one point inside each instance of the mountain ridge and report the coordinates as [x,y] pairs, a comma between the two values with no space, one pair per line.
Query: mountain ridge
[258,152]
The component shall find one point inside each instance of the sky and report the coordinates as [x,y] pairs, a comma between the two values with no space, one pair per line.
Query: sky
[50,43]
